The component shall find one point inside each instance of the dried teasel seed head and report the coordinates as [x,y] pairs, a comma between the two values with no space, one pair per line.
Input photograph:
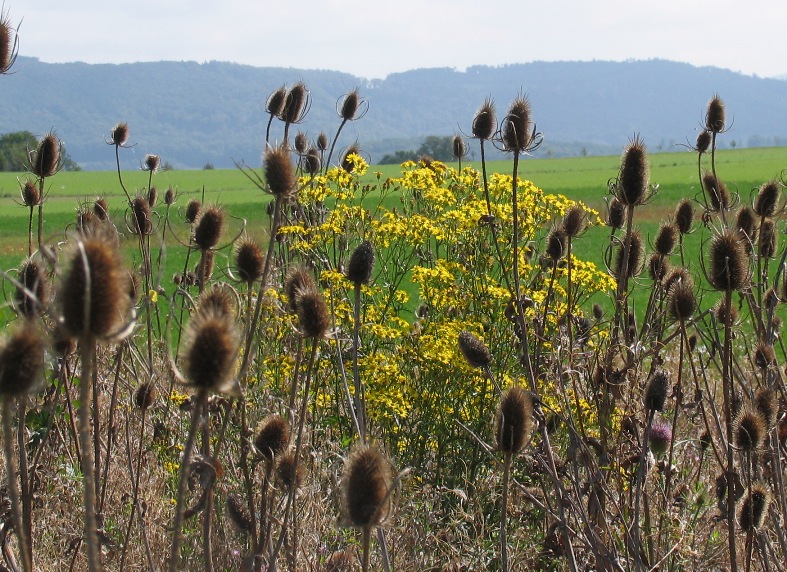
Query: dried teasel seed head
[211,350]
[350,105]
[145,396]
[101,209]
[746,224]
[31,196]
[152,196]
[272,437]
[485,122]
[666,239]
[276,100]
[635,253]
[22,361]
[474,350]
[749,430]
[93,293]
[716,191]
[767,404]
[341,561]
[313,315]
[239,514]
[616,214]
[311,161]
[714,116]
[682,300]
[366,482]
[297,279]
[322,141]
[674,275]
[133,287]
[753,508]
[32,294]
[8,43]
[684,216]
[557,244]
[346,164]
[658,267]
[208,227]
[517,128]
[151,163]
[575,221]
[767,242]
[725,314]
[705,440]
[249,260]
[632,187]
[703,141]
[141,222]
[598,311]
[764,356]
[169,196]
[659,437]
[289,473]
[458,147]
[193,209]
[767,199]
[279,173]
[204,268]
[296,103]
[514,420]
[361,264]
[728,267]
[46,159]
[217,300]
[119,134]
[656,391]
[301,142]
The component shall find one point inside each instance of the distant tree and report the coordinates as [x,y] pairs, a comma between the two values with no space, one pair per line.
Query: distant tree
[15,148]
[399,157]
[208,166]
[167,166]
[439,148]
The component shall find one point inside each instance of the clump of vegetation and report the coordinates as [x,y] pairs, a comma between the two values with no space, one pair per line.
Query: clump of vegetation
[416,372]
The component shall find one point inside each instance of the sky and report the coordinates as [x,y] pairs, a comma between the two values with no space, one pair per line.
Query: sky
[372,39]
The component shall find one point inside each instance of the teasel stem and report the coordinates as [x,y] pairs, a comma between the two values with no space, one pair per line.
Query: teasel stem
[30,233]
[207,513]
[40,213]
[88,351]
[359,399]
[504,513]
[265,520]
[327,163]
[120,177]
[641,474]
[196,415]
[24,479]
[245,469]
[13,486]
[110,425]
[728,396]
[295,380]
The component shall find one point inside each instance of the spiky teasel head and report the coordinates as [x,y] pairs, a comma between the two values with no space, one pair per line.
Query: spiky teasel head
[345,162]
[729,264]
[616,214]
[46,160]
[289,472]
[365,484]
[296,104]
[9,43]
[767,242]
[714,116]
[22,361]
[764,356]
[485,121]
[204,269]
[193,209]
[218,299]
[211,351]
[635,253]
[350,105]
[514,420]
[458,147]
[145,396]
[101,209]
[746,225]
[32,293]
[557,243]
[272,437]
[749,430]
[666,238]
[682,300]
[575,221]
[684,216]
[703,141]
[152,196]
[313,317]
[31,196]
[658,267]
[659,437]
[276,100]
[119,134]
[716,191]
[656,391]
[169,196]
[767,404]
[249,260]
[632,187]
[298,279]
[767,199]
[141,221]
[753,508]
[725,314]
[517,128]
[301,142]
[208,227]
[474,350]
[322,141]
[279,173]
[93,293]
[311,162]
[361,264]
[151,163]
[239,514]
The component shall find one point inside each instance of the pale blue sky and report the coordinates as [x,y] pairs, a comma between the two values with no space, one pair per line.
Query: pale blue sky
[372,39]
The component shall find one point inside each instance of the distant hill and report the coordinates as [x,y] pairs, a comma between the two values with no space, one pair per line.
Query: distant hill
[192,114]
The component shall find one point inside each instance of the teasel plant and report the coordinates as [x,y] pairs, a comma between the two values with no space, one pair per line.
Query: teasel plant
[9,43]
[352,108]
[31,198]
[45,162]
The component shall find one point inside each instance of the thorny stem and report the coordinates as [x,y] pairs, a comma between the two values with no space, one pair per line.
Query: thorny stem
[728,395]
[504,514]
[13,487]
[359,398]
[88,346]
